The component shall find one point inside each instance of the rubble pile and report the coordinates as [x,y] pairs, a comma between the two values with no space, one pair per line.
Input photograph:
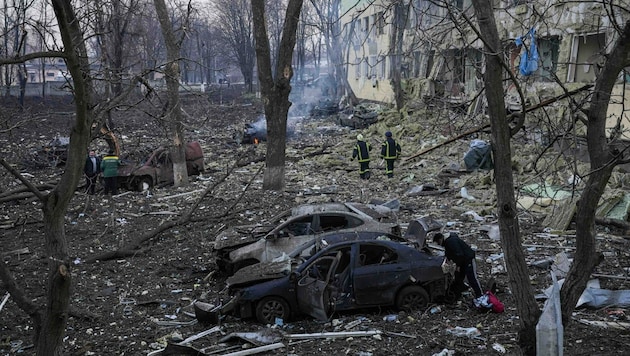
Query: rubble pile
[142,303]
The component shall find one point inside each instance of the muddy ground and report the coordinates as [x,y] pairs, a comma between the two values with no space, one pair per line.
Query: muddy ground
[133,305]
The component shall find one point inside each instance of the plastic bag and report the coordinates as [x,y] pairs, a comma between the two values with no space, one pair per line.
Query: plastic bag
[529,57]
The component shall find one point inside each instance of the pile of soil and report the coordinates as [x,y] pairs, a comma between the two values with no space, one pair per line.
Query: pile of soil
[136,304]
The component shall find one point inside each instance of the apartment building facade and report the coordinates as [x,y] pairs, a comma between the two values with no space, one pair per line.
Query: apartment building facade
[441,57]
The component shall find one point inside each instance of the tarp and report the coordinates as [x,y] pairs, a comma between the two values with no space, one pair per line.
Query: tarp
[529,57]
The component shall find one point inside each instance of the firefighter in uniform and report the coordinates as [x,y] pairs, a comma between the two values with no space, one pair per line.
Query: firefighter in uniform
[390,150]
[362,152]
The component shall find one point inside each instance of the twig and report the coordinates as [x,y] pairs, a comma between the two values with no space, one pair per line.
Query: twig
[4,300]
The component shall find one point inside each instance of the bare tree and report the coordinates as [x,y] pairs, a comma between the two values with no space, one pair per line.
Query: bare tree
[50,320]
[235,24]
[172,71]
[275,89]
[603,158]
[328,14]
[116,35]
[506,203]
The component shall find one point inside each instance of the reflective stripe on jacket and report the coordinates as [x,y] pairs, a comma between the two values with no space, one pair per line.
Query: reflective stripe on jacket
[362,151]
[109,166]
[390,149]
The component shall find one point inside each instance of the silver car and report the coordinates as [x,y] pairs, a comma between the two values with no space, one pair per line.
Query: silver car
[262,243]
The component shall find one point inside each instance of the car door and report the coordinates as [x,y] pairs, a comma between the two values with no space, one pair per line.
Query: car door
[312,289]
[378,273]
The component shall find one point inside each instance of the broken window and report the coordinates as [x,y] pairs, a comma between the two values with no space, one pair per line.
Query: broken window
[517,2]
[365,24]
[472,71]
[586,57]
[372,65]
[379,22]
[357,70]
[382,66]
[373,255]
[453,73]
[336,222]
[548,49]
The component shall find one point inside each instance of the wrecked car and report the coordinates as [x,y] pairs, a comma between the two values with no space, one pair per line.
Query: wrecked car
[361,117]
[56,151]
[347,276]
[158,168]
[282,265]
[415,235]
[324,107]
[256,132]
[250,244]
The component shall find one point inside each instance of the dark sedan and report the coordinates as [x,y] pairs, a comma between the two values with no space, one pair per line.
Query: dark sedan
[345,276]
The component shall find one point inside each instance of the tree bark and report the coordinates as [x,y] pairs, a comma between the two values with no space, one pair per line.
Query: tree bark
[49,339]
[602,164]
[173,48]
[275,91]
[519,282]
[395,52]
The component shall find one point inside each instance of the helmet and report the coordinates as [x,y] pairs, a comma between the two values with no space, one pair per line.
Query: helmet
[388,134]
[359,137]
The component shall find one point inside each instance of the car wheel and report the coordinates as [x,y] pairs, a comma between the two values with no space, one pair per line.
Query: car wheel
[412,298]
[270,308]
[144,183]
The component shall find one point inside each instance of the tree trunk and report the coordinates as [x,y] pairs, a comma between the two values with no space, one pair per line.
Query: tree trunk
[602,164]
[55,204]
[519,282]
[275,92]
[173,48]
[395,52]
[59,279]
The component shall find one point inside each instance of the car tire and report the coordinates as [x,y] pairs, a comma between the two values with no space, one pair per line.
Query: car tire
[270,308]
[412,298]
[144,183]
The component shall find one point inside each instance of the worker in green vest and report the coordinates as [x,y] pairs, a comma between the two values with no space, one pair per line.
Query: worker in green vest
[109,167]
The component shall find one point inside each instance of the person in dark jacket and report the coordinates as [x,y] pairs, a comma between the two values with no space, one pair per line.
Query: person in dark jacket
[390,150]
[91,170]
[458,251]
[362,152]
[109,166]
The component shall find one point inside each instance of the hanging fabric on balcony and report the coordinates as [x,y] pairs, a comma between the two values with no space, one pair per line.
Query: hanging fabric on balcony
[529,57]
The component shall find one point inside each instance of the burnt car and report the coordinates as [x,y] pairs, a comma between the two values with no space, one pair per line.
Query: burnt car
[256,132]
[246,245]
[56,151]
[347,276]
[158,168]
[361,117]
[324,107]
[282,265]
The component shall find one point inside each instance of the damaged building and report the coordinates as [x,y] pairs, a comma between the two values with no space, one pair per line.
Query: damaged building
[550,48]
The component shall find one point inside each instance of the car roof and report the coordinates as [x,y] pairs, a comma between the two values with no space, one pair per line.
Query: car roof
[391,244]
[340,233]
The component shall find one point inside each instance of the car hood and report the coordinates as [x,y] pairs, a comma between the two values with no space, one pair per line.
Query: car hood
[241,235]
[260,272]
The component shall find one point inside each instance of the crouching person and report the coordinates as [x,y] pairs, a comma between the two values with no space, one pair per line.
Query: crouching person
[460,253]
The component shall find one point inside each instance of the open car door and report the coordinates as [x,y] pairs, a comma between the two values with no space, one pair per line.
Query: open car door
[313,286]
